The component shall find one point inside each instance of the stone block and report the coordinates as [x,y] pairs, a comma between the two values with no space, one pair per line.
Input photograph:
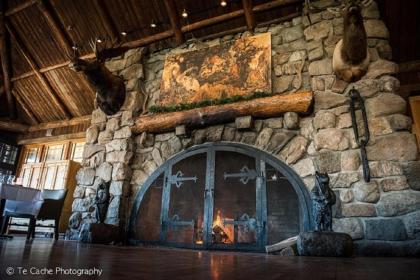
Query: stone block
[121,171]
[381,67]
[139,177]
[358,210]
[325,244]
[274,122]
[380,169]
[385,104]
[376,29]
[343,179]
[318,30]
[394,184]
[366,192]
[180,130]
[328,162]
[326,100]
[320,67]
[346,195]
[398,203]
[350,160]
[291,33]
[113,124]
[412,225]
[282,83]
[400,146]
[294,150]
[324,119]
[105,137]
[119,156]
[385,229]
[243,123]
[118,145]
[304,167]
[291,120]
[332,139]
[264,137]
[104,171]
[228,134]
[85,176]
[164,136]
[119,188]
[279,140]
[92,134]
[122,133]
[249,137]
[98,116]
[412,171]
[214,133]
[351,226]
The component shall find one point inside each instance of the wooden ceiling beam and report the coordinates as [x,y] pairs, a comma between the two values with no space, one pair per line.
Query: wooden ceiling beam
[175,22]
[55,27]
[409,66]
[249,14]
[13,126]
[5,64]
[107,20]
[20,7]
[63,137]
[34,120]
[54,98]
[169,33]
[57,124]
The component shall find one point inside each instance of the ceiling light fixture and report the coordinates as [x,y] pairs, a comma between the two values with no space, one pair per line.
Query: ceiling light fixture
[123,33]
[99,40]
[184,14]
[153,25]
[74,47]
[223,3]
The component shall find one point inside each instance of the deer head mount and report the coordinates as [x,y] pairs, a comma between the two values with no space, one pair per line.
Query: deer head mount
[110,89]
[351,56]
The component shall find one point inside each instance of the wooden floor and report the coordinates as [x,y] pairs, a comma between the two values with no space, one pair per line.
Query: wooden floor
[164,263]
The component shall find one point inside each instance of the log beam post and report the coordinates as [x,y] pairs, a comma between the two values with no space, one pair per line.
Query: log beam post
[5,64]
[13,126]
[264,107]
[175,23]
[19,45]
[55,27]
[249,14]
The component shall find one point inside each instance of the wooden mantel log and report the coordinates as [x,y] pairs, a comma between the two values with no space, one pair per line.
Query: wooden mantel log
[265,107]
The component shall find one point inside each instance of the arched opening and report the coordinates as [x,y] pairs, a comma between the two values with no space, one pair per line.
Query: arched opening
[220,196]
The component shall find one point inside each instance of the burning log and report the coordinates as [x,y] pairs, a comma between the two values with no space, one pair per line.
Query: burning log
[265,107]
[219,235]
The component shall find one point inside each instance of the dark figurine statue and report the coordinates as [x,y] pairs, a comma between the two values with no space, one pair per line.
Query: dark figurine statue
[102,202]
[323,198]
[110,89]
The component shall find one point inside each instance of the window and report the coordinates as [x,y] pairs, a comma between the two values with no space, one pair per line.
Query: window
[77,151]
[54,152]
[8,153]
[31,155]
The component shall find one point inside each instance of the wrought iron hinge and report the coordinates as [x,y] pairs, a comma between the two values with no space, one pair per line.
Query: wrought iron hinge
[178,179]
[245,175]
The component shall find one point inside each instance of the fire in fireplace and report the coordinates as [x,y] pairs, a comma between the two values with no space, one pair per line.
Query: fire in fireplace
[220,196]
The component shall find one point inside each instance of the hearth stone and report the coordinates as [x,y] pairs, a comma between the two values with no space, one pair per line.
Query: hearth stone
[325,244]
[99,233]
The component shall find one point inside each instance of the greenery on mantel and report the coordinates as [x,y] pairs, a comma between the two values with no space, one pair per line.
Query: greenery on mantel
[206,102]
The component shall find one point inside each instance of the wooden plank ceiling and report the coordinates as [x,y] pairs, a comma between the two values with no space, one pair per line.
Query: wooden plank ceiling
[40,33]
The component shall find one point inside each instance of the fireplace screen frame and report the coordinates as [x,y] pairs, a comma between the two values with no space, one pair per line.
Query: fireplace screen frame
[262,158]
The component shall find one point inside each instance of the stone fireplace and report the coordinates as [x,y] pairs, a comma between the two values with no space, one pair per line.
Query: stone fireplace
[221,195]
[245,184]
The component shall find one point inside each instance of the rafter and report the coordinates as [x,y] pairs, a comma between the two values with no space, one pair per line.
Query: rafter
[57,124]
[20,7]
[25,108]
[5,63]
[106,20]
[174,18]
[55,27]
[249,14]
[184,29]
[13,126]
[20,46]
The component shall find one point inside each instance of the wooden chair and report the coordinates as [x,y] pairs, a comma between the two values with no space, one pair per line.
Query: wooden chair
[50,210]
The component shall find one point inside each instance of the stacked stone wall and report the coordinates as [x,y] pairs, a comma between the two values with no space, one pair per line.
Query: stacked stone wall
[385,211]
